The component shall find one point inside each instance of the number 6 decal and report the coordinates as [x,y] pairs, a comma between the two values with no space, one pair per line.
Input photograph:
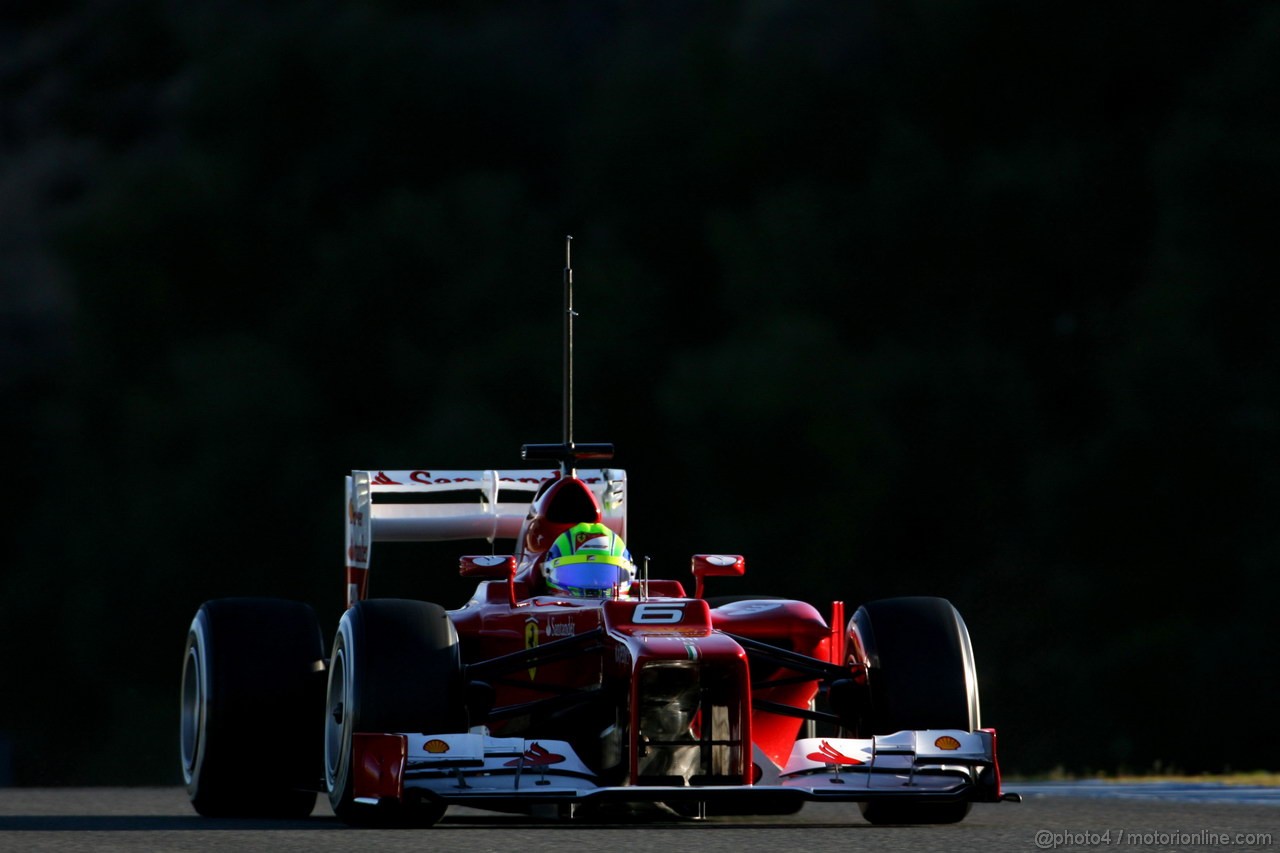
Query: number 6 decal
[652,613]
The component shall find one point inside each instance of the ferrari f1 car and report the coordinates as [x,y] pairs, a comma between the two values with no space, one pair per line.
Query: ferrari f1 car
[535,697]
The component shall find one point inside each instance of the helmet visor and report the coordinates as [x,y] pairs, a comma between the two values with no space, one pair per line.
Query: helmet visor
[594,573]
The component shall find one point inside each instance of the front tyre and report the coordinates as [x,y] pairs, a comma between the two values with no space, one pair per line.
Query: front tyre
[395,668]
[252,684]
[922,676]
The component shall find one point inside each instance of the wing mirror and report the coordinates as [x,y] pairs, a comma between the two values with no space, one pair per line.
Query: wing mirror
[491,568]
[487,567]
[716,566]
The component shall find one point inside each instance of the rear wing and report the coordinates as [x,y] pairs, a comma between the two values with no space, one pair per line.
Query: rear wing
[435,505]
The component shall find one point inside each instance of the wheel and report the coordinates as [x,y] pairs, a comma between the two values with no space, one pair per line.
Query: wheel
[252,688]
[921,676]
[395,668]
[922,673]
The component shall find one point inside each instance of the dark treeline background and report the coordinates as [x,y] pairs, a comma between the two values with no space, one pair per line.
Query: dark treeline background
[966,298]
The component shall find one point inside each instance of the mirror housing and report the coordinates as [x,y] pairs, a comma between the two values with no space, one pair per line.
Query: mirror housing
[491,567]
[716,566]
[488,567]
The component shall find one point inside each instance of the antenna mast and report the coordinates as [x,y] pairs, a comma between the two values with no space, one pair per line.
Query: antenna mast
[568,345]
[568,453]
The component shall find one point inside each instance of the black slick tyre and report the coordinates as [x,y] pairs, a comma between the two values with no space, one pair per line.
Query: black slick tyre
[921,676]
[252,693]
[395,667]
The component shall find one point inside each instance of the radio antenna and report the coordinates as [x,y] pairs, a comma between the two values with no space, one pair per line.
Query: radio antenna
[568,452]
[568,346]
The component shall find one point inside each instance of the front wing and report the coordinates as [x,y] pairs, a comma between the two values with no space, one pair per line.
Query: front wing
[483,771]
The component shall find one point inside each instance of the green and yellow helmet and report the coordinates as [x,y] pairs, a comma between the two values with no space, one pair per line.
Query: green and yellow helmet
[589,561]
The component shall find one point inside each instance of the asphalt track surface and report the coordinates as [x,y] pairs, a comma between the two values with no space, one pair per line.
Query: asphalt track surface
[1052,817]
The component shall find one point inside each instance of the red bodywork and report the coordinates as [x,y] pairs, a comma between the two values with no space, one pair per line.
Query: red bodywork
[654,639]
[664,628]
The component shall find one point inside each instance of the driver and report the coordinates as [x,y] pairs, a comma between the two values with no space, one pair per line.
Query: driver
[589,561]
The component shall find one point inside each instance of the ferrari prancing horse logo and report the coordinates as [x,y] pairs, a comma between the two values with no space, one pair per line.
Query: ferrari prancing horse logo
[531,642]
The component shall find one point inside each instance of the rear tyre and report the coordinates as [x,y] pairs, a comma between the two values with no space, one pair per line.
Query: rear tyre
[395,668]
[921,676]
[252,688]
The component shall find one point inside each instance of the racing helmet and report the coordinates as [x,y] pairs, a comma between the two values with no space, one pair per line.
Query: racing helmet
[589,561]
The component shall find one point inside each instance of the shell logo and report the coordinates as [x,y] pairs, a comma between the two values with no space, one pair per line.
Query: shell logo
[435,746]
[947,742]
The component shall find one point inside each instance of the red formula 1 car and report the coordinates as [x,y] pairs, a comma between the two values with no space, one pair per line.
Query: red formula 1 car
[569,682]
[527,698]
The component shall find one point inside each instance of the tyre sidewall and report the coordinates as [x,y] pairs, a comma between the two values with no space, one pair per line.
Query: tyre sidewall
[338,733]
[196,710]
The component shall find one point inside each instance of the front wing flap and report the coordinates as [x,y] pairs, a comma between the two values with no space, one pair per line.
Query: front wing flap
[478,769]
